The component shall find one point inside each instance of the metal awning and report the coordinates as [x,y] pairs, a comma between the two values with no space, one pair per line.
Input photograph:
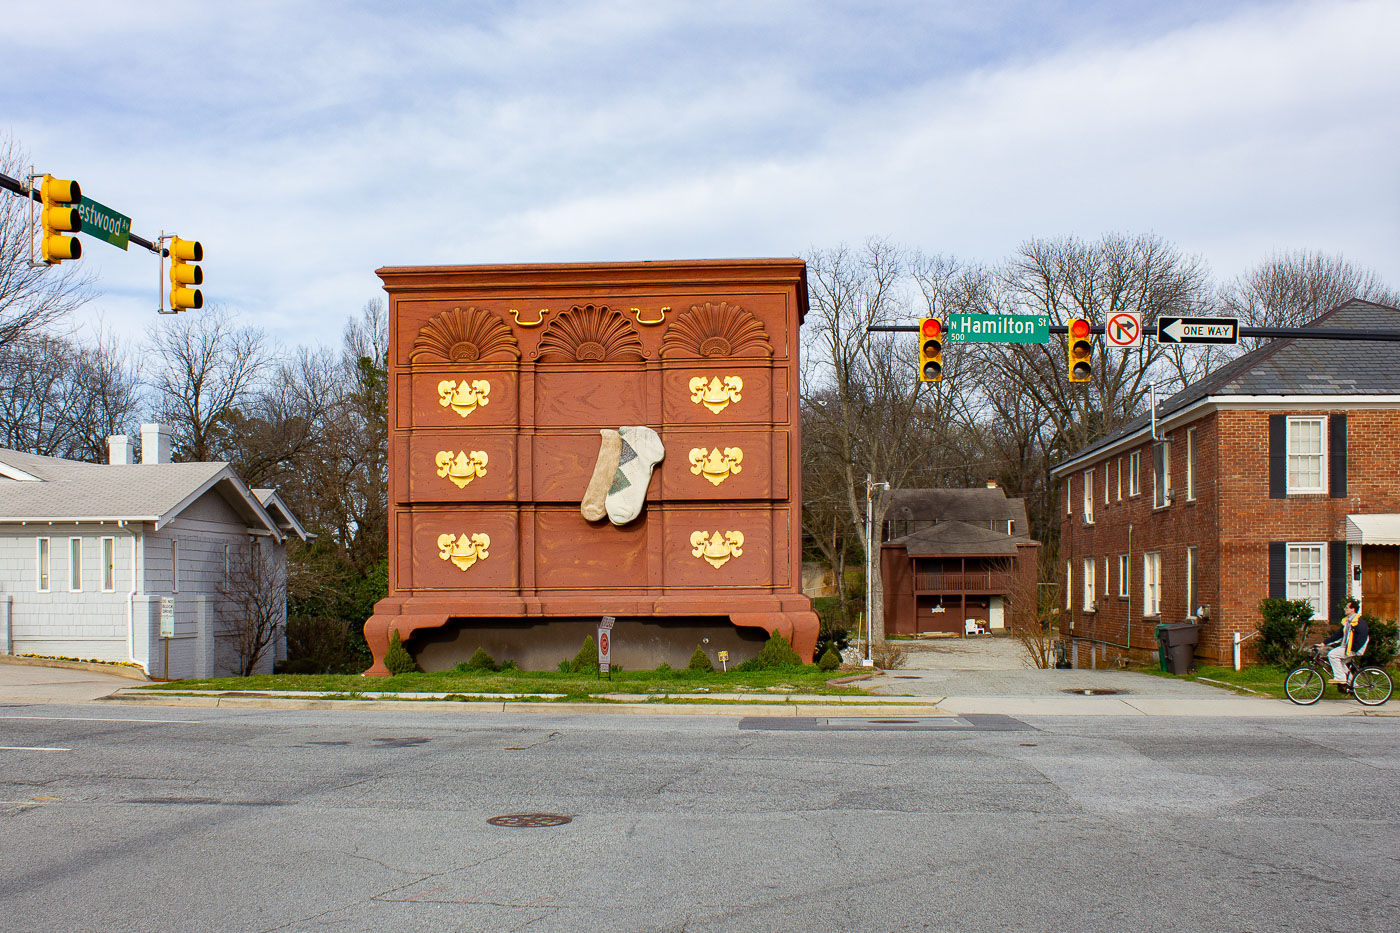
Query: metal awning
[1373,529]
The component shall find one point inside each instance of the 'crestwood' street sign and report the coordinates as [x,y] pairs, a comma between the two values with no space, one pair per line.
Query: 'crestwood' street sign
[102,222]
[1198,330]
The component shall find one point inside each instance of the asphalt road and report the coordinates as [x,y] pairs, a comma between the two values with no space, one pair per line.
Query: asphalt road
[170,819]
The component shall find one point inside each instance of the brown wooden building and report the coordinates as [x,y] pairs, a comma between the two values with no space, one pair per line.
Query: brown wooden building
[504,384]
[950,555]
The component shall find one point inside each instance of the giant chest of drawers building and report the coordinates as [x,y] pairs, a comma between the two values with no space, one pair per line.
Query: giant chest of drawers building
[502,380]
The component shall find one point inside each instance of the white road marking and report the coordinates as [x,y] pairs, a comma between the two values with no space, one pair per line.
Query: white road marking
[100,719]
[31,748]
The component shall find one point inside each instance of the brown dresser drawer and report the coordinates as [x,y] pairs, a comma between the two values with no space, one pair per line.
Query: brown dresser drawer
[445,556]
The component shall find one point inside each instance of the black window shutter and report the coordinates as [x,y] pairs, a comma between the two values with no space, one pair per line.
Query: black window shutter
[1337,456]
[1278,569]
[1336,579]
[1278,457]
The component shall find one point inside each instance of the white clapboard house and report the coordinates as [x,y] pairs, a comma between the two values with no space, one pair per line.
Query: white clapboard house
[94,557]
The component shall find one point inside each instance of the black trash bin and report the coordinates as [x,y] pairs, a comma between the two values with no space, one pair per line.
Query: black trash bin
[1161,648]
[1180,640]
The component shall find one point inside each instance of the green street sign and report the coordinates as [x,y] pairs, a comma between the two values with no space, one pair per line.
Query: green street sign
[103,223]
[998,328]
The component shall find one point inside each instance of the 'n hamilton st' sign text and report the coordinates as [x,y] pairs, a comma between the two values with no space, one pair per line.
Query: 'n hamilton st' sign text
[998,328]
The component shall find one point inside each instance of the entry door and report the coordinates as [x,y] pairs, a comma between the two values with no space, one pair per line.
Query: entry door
[1380,575]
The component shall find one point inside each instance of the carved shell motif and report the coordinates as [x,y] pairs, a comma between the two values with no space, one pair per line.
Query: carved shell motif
[715,331]
[589,334]
[469,335]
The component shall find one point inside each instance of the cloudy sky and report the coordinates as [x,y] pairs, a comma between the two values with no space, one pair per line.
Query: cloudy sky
[308,143]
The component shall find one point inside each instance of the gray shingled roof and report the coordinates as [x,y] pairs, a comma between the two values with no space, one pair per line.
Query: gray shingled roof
[978,504]
[67,490]
[959,539]
[1287,366]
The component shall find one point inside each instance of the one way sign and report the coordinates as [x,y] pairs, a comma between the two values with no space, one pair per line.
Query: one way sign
[1198,330]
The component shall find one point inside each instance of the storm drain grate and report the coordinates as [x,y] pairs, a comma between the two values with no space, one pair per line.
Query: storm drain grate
[1093,691]
[530,820]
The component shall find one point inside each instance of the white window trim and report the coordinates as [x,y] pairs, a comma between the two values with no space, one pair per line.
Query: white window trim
[1124,568]
[109,565]
[1069,496]
[1135,473]
[75,567]
[1151,602]
[175,565]
[1090,596]
[1321,486]
[1089,496]
[1321,614]
[1069,584]
[1120,479]
[1161,487]
[43,565]
[1190,464]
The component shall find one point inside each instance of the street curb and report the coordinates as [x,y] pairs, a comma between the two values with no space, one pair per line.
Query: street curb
[118,670]
[516,706]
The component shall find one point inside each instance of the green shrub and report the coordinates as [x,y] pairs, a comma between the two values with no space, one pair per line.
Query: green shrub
[509,665]
[700,661]
[663,668]
[397,659]
[479,661]
[1382,649]
[1283,632]
[587,658]
[775,654]
[566,666]
[830,659]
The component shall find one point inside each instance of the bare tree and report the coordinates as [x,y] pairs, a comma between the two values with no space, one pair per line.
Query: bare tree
[31,298]
[1289,289]
[253,610]
[207,370]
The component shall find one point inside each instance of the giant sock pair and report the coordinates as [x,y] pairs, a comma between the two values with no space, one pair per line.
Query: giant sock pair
[618,488]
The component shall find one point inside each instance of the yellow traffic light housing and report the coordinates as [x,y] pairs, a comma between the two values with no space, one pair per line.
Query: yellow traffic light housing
[59,216]
[1081,351]
[184,274]
[930,350]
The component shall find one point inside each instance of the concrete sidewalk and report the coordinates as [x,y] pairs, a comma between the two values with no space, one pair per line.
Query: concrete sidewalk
[27,681]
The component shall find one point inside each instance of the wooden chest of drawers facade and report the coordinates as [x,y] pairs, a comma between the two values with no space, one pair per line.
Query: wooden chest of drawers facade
[501,379]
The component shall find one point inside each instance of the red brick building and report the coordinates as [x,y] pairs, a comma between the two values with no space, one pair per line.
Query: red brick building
[949,555]
[1277,475]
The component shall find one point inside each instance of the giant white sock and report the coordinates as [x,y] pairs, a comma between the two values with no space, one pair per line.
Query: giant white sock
[641,451]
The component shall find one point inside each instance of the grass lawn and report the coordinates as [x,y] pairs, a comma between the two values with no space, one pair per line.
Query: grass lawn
[803,680]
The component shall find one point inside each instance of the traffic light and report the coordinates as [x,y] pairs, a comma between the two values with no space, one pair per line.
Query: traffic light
[1081,350]
[183,274]
[59,216]
[930,350]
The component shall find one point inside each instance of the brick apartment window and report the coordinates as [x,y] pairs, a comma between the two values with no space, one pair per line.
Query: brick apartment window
[1069,499]
[1069,585]
[1120,479]
[75,565]
[1305,579]
[1088,497]
[1307,455]
[1190,464]
[1161,474]
[1123,575]
[1152,584]
[1089,595]
[1105,575]
[1134,484]
[41,560]
[1191,602]
[1105,483]
[109,564]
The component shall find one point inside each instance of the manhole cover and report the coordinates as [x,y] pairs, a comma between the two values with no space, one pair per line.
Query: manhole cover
[530,820]
[1092,691]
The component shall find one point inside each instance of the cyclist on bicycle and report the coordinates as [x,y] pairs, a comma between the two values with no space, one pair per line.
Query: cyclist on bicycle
[1349,642]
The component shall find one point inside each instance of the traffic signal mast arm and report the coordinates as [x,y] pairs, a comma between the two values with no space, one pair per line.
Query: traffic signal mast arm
[1291,333]
[18,187]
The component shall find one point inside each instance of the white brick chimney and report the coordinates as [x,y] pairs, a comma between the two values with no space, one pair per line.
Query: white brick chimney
[121,450]
[155,443]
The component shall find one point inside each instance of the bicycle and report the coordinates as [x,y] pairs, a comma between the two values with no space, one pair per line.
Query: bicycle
[1305,684]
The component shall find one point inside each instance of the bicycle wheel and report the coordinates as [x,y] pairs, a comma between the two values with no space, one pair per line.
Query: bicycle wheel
[1371,686]
[1304,686]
